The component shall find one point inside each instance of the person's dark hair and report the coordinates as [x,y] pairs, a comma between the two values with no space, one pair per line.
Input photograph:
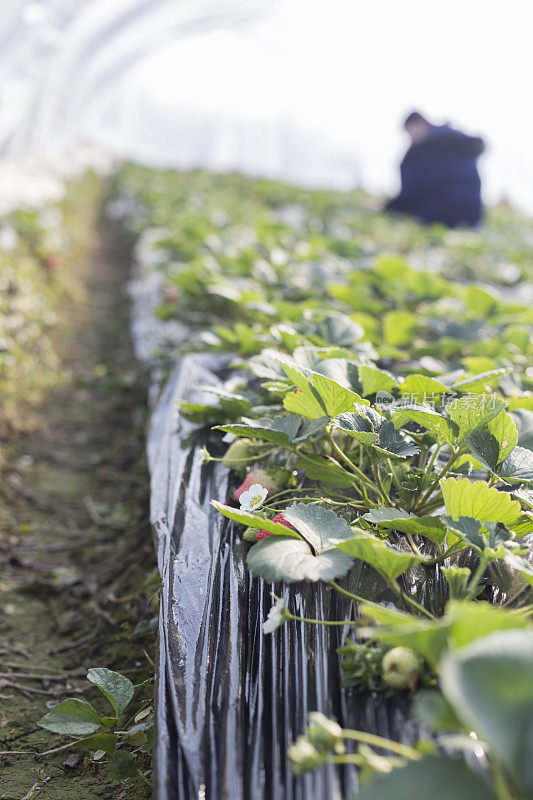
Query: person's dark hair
[414,116]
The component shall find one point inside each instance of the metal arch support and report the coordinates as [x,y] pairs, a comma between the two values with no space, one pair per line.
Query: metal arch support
[88,63]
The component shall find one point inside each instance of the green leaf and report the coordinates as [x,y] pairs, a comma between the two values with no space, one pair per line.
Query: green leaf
[473,412]
[116,687]
[399,327]
[319,526]
[100,741]
[282,430]
[525,495]
[253,521]
[392,444]
[359,426]
[441,426]
[336,398]
[489,685]
[494,442]
[504,431]
[309,429]
[522,526]
[141,727]
[518,466]
[220,410]
[370,428]
[427,638]
[400,520]
[463,498]
[320,468]
[72,717]
[122,766]
[521,402]
[317,395]
[462,623]
[282,559]
[480,535]
[422,389]
[340,330]
[267,365]
[470,621]
[479,301]
[522,566]
[278,430]
[303,400]
[435,777]
[484,447]
[435,712]
[375,380]
[389,561]
[385,614]
[391,267]
[479,382]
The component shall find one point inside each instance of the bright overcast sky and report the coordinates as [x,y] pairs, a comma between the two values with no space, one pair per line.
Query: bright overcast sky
[345,71]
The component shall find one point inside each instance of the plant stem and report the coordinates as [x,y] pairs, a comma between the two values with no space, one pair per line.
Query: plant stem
[321,621]
[385,744]
[320,499]
[413,545]
[500,784]
[394,477]
[375,469]
[361,475]
[66,746]
[349,758]
[346,593]
[433,458]
[409,600]
[246,460]
[441,475]
[285,491]
[476,576]
[433,505]
[438,559]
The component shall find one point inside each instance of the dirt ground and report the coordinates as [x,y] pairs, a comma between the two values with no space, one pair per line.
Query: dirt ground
[77,575]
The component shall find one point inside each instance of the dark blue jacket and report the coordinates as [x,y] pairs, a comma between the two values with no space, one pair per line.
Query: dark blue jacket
[440,181]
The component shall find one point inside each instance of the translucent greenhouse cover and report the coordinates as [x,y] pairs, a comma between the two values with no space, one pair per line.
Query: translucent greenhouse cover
[307,90]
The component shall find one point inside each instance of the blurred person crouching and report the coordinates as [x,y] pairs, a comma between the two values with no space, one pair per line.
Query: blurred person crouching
[440,181]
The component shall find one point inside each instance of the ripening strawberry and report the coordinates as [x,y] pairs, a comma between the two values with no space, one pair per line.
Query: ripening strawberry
[280,519]
[269,479]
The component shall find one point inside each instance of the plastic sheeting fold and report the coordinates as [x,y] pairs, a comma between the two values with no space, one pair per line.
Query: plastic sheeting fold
[230,700]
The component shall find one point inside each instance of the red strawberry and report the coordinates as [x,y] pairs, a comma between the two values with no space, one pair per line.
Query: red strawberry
[280,519]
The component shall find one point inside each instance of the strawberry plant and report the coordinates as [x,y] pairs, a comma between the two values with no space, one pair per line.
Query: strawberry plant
[378,407]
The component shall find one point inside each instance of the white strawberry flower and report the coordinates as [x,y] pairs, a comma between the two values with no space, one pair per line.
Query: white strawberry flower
[253,498]
[278,614]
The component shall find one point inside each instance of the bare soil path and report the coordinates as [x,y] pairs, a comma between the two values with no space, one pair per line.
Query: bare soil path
[77,568]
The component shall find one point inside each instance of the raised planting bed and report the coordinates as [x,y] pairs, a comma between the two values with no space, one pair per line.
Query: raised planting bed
[378,409]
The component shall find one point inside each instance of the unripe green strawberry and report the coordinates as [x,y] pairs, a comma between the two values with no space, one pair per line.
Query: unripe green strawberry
[400,668]
[250,535]
[240,454]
